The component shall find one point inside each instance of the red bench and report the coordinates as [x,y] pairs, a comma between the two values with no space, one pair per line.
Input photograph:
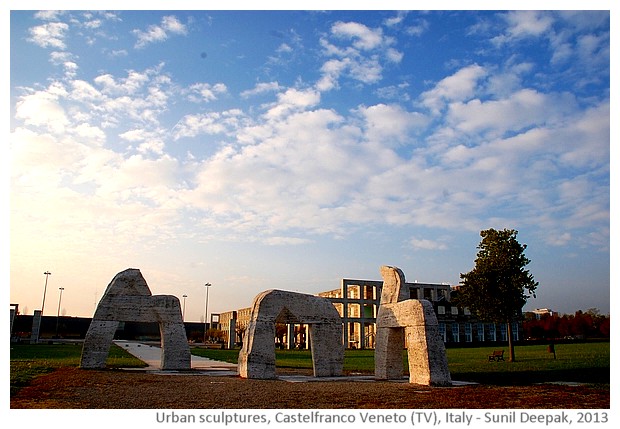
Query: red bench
[496,356]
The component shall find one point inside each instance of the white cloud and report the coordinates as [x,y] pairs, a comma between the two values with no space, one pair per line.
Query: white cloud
[368,70]
[293,100]
[395,20]
[206,92]
[50,35]
[393,55]
[129,85]
[331,70]
[390,124]
[173,25]
[522,24]
[284,48]
[48,15]
[159,33]
[361,60]
[425,244]
[528,23]
[419,28]
[521,110]
[458,87]
[91,135]
[193,125]
[261,88]
[363,37]
[395,92]
[43,109]
[135,135]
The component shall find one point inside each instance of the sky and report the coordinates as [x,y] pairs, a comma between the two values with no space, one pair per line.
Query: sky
[259,150]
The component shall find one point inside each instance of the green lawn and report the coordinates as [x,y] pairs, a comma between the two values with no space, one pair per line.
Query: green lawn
[582,362]
[31,360]
[579,362]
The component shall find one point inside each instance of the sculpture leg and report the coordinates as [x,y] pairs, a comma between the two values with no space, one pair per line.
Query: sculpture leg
[327,349]
[175,354]
[426,354]
[97,343]
[257,358]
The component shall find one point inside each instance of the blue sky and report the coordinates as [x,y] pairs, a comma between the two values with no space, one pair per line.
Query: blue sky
[266,149]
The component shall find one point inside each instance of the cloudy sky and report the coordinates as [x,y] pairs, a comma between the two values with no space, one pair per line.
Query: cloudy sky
[265,149]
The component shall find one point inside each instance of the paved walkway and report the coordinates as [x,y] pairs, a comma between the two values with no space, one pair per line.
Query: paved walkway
[151,355]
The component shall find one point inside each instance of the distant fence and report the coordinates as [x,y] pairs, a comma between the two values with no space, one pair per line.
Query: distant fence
[75,328]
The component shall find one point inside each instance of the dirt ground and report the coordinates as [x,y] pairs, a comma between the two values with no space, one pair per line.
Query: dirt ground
[74,388]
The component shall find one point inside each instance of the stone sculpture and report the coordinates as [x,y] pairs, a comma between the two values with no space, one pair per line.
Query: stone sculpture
[129,299]
[410,322]
[257,356]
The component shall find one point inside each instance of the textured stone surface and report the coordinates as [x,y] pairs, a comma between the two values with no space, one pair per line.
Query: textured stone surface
[409,322]
[257,356]
[36,327]
[128,299]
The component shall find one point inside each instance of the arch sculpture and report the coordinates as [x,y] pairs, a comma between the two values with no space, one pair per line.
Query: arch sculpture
[128,299]
[410,322]
[258,354]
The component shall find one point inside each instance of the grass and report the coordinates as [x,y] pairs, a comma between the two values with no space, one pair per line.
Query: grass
[576,362]
[31,360]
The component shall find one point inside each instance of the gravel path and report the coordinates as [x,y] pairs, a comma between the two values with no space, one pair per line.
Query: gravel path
[112,389]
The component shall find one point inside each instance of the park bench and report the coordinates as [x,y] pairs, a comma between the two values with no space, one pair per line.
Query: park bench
[214,346]
[496,356]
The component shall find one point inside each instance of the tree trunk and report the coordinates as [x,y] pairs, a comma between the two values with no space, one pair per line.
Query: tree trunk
[511,346]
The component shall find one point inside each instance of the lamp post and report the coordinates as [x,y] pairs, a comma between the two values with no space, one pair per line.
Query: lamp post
[184,296]
[58,313]
[47,274]
[207,285]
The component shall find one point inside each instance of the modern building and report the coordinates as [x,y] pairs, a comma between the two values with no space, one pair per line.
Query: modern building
[357,302]
[540,313]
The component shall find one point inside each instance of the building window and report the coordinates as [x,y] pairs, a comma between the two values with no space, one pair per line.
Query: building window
[480,332]
[466,311]
[468,336]
[353,291]
[492,333]
[441,309]
[354,310]
[515,331]
[442,331]
[502,329]
[455,333]
[455,311]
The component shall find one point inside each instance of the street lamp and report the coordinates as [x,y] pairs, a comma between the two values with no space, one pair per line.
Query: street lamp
[47,274]
[184,296]
[58,314]
[207,285]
